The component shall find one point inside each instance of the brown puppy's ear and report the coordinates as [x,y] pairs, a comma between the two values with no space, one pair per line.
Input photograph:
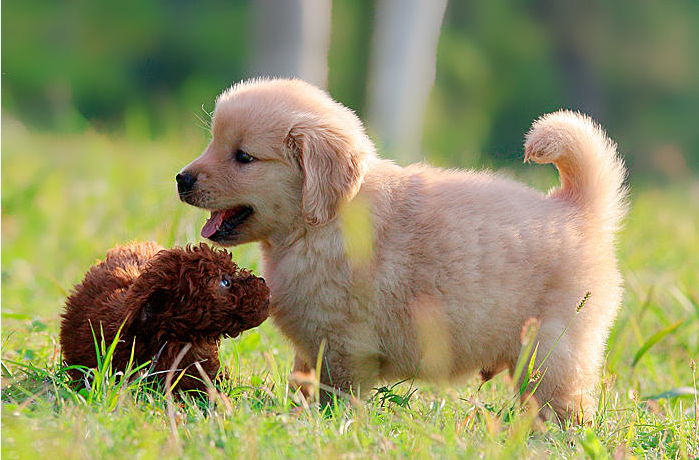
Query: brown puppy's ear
[147,298]
[151,307]
[332,170]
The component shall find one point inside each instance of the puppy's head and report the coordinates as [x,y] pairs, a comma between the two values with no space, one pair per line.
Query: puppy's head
[196,293]
[283,155]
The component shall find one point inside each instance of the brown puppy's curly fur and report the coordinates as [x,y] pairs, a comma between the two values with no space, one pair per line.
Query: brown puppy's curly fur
[165,298]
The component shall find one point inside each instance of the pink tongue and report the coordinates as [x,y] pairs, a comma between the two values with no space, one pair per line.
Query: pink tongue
[213,223]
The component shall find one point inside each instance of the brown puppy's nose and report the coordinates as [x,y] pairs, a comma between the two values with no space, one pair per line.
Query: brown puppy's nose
[185,182]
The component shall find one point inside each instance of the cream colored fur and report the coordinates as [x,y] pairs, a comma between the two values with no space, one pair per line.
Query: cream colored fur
[457,261]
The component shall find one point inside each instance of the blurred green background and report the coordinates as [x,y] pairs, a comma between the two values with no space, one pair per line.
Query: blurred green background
[143,69]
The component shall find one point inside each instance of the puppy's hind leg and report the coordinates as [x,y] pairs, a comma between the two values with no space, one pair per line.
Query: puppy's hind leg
[564,384]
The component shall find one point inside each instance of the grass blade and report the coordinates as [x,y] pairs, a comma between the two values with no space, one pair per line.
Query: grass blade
[107,358]
[657,337]
[6,370]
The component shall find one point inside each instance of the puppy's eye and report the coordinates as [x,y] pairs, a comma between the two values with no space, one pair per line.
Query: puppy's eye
[242,157]
[225,283]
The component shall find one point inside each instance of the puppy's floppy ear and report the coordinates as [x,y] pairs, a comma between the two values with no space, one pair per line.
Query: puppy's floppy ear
[152,305]
[151,293]
[332,169]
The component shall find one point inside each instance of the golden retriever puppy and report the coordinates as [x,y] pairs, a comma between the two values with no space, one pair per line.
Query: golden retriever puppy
[416,271]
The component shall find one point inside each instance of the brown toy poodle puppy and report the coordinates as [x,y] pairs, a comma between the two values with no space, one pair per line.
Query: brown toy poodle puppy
[165,299]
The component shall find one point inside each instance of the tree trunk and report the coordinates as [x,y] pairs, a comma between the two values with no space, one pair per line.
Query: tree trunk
[292,38]
[402,73]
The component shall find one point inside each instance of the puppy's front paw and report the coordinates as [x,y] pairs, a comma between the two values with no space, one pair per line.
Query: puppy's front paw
[306,382]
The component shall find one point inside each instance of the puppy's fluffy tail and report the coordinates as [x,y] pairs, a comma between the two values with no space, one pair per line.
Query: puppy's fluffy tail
[592,173]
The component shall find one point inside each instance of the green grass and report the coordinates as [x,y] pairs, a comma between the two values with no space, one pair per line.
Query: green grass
[66,199]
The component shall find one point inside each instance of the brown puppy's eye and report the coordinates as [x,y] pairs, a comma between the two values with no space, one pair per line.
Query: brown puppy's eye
[225,283]
[242,157]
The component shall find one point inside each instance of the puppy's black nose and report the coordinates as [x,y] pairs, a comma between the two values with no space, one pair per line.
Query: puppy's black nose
[185,182]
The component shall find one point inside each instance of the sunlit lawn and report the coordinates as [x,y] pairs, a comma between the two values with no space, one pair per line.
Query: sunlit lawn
[68,198]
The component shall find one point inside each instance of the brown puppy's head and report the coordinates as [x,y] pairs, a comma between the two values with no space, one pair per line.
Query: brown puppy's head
[195,293]
[283,156]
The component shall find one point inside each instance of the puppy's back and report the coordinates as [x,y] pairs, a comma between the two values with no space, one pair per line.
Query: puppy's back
[98,299]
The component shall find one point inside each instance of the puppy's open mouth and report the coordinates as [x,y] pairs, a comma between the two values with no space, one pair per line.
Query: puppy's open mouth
[222,224]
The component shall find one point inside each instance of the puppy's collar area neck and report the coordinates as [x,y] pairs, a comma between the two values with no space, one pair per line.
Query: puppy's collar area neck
[284,241]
